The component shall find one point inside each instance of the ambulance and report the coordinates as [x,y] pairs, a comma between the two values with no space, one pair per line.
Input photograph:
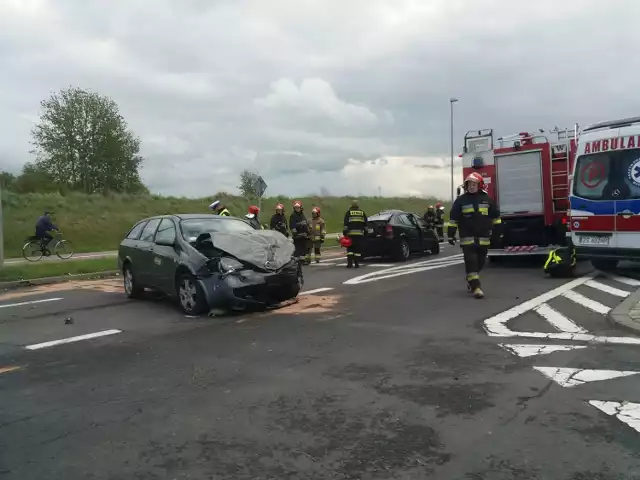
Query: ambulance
[604,215]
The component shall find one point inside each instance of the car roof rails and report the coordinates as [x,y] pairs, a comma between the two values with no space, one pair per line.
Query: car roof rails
[624,122]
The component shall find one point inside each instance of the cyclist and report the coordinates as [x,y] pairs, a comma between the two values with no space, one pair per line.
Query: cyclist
[43,227]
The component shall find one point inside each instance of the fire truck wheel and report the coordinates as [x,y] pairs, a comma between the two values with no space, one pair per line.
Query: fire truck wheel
[604,264]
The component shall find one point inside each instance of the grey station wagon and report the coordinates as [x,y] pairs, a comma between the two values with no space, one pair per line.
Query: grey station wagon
[209,263]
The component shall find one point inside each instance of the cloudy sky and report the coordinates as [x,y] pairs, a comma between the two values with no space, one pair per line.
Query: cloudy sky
[349,95]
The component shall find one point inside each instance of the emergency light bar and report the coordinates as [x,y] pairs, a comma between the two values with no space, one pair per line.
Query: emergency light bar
[623,122]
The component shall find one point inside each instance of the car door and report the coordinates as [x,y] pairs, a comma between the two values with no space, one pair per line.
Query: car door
[143,264]
[165,256]
[627,202]
[410,229]
[424,231]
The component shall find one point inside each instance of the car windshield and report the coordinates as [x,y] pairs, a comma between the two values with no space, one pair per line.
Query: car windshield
[193,227]
[613,175]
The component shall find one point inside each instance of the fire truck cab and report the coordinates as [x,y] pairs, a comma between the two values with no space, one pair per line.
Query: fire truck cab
[527,175]
[605,193]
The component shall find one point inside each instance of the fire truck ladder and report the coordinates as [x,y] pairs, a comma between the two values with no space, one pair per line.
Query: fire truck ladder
[560,168]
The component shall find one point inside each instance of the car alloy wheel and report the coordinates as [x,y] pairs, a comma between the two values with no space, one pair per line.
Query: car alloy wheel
[405,250]
[188,294]
[128,282]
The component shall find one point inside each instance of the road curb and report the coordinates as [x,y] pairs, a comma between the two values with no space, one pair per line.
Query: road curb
[620,316]
[50,280]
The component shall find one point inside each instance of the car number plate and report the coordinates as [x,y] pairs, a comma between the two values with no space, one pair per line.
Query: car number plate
[593,240]
[370,230]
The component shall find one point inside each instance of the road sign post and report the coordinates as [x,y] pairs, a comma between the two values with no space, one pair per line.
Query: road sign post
[261,187]
[1,231]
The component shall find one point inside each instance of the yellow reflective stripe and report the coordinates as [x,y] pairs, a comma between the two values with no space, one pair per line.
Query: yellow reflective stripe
[453,223]
[358,254]
[356,219]
[357,213]
[355,232]
[484,210]
[468,210]
[497,221]
[466,241]
[349,254]
[473,276]
[484,241]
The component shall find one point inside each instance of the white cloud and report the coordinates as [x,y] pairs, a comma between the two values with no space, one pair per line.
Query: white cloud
[316,97]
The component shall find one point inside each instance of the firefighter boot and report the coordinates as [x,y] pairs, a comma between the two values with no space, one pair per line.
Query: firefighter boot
[349,261]
[478,293]
[356,261]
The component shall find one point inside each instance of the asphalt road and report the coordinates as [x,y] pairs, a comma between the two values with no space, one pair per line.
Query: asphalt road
[391,372]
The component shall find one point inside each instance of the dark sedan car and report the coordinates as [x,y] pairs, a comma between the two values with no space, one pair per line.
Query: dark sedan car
[209,263]
[398,234]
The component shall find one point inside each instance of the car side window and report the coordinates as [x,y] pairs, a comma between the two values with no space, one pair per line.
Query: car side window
[404,220]
[135,232]
[166,231]
[149,230]
[421,222]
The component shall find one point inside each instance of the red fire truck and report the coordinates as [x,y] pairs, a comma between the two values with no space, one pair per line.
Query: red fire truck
[527,174]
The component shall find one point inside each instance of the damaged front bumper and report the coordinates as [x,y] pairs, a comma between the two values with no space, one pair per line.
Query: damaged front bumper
[244,289]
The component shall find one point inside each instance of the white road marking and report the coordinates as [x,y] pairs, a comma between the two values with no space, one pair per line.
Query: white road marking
[322,264]
[405,269]
[571,377]
[529,350]
[558,320]
[38,346]
[497,325]
[606,288]
[317,290]
[30,302]
[586,302]
[626,280]
[626,412]
[380,265]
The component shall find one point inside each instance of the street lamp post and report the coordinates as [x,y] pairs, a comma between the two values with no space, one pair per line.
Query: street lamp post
[451,102]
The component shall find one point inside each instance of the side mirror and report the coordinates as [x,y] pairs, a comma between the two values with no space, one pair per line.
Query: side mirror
[166,243]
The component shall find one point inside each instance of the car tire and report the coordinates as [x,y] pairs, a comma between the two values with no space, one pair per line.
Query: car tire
[604,264]
[131,287]
[190,295]
[403,251]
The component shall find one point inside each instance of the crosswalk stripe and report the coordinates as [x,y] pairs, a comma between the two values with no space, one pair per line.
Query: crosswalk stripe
[607,289]
[558,320]
[586,302]
[626,412]
[626,280]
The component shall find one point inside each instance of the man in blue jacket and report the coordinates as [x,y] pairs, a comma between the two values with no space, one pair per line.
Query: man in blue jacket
[43,227]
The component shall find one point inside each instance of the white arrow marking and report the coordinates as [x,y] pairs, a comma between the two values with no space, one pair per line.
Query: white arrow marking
[529,350]
[626,412]
[571,377]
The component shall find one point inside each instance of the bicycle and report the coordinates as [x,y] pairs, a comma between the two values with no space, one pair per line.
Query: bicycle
[34,249]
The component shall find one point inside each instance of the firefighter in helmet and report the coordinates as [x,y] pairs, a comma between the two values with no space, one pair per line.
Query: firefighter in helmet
[355,221]
[219,209]
[301,233]
[279,221]
[317,233]
[430,216]
[440,220]
[252,217]
[476,215]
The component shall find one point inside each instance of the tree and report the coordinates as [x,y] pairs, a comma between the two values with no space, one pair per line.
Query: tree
[6,180]
[34,179]
[83,143]
[249,185]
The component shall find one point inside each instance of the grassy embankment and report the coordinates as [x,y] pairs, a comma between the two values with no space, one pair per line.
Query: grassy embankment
[42,269]
[95,223]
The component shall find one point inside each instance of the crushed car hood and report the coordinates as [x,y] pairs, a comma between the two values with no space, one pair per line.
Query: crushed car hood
[265,249]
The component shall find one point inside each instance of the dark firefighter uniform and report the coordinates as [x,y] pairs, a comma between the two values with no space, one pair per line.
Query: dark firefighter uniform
[355,221]
[440,222]
[301,233]
[430,216]
[279,224]
[476,216]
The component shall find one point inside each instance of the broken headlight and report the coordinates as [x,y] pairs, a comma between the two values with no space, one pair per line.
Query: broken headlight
[229,265]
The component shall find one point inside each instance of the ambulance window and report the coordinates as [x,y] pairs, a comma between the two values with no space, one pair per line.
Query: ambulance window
[608,175]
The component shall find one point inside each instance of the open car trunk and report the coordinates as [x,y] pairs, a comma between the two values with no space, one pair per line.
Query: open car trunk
[265,250]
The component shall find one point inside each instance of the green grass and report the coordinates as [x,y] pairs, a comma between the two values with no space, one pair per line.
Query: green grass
[43,269]
[98,223]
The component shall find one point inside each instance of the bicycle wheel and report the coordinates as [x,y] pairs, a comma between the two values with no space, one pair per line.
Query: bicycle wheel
[64,249]
[32,251]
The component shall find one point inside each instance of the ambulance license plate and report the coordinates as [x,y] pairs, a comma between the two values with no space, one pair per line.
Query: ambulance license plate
[593,240]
